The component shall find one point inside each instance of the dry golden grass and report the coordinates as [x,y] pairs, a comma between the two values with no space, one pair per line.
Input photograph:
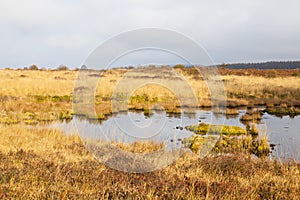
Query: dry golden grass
[44,164]
[22,83]
[33,96]
[48,143]
[258,87]
[140,147]
[38,163]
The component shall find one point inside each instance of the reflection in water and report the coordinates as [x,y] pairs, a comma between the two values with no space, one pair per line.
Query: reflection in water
[285,134]
[128,127]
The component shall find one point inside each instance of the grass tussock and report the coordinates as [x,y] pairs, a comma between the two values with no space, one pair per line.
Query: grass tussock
[231,139]
[283,110]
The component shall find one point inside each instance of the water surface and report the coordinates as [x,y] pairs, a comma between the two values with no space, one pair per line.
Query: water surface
[128,127]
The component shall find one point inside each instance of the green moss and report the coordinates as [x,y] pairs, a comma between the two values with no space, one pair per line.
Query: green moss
[65,115]
[139,99]
[203,129]
[196,142]
[143,98]
[233,139]
[246,144]
[4,119]
[33,118]
[39,98]
[29,116]
[55,98]
[261,147]
[30,122]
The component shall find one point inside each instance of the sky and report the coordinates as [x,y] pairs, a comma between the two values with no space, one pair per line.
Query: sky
[50,33]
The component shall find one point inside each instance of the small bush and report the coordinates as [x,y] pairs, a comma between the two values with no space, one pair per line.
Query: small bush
[179,66]
[33,67]
[62,68]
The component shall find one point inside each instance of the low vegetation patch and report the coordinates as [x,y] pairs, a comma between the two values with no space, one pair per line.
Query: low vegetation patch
[231,139]
[251,116]
[203,129]
[282,111]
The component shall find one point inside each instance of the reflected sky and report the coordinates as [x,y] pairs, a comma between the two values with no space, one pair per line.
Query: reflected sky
[130,127]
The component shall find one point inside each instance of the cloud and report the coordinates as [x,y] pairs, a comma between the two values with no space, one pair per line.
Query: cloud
[53,32]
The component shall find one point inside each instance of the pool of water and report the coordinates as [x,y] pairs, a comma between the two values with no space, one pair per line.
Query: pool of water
[285,134]
[129,127]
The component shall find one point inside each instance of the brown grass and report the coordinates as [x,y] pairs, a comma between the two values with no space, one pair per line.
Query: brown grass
[46,164]
[140,147]
[38,163]
[47,95]
[48,143]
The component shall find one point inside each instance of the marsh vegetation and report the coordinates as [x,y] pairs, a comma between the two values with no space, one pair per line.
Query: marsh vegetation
[41,162]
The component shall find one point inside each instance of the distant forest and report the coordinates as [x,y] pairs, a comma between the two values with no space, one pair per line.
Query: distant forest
[264,65]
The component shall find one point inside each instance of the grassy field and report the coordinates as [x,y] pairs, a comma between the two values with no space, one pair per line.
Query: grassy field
[47,95]
[47,164]
[43,163]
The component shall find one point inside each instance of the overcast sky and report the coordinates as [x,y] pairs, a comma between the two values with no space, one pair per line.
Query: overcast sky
[54,32]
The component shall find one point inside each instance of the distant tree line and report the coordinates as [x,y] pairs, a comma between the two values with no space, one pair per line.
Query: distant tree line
[35,67]
[261,65]
[264,65]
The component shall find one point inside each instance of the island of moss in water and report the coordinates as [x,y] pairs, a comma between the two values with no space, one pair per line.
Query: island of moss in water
[231,139]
